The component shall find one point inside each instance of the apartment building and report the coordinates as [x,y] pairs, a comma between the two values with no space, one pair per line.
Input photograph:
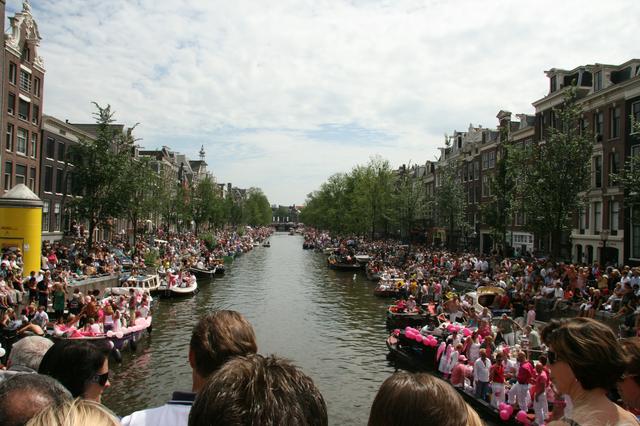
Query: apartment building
[22,93]
[609,95]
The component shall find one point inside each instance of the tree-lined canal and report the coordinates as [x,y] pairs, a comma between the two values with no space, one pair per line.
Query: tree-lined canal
[327,322]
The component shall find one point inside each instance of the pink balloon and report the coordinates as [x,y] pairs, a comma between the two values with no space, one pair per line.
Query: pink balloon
[509,409]
[522,417]
[504,415]
[502,406]
[418,338]
[466,332]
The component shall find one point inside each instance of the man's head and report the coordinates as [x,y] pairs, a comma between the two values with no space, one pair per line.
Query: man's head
[255,390]
[27,353]
[24,395]
[216,338]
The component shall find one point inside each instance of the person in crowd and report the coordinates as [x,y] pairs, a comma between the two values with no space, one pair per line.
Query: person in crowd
[540,404]
[216,338]
[481,369]
[18,325]
[419,399]
[26,355]
[78,412]
[81,366]
[629,382]
[496,376]
[507,327]
[458,373]
[257,390]
[585,360]
[24,395]
[519,393]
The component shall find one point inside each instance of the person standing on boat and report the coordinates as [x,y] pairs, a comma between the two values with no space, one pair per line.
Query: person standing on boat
[217,338]
[540,404]
[496,375]
[481,369]
[519,392]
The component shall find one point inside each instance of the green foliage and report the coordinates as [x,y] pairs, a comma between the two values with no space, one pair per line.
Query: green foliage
[151,258]
[257,210]
[550,176]
[209,240]
[629,176]
[449,202]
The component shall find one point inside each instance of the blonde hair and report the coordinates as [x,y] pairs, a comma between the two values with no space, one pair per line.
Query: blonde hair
[473,419]
[78,412]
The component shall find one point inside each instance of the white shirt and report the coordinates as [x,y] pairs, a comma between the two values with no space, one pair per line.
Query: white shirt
[481,369]
[174,413]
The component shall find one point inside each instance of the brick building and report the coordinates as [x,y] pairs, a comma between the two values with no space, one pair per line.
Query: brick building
[609,95]
[22,93]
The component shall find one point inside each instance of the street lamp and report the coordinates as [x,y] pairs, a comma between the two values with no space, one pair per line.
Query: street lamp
[604,234]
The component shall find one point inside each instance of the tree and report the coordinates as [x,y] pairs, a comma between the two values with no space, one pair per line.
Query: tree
[550,176]
[409,199]
[99,172]
[203,203]
[257,208]
[450,203]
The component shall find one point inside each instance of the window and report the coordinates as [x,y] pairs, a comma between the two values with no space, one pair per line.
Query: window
[26,54]
[34,145]
[36,86]
[58,181]
[584,126]
[614,215]
[553,84]
[635,233]
[597,81]
[597,170]
[32,179]
[8,171]
[56,216]
[25,81]
[21,146]
[11,103]
[9,141]
[597,217]
[486,186]
[45,216]
[23,109]
[35,116]
[48,179]
[635,113]
[614,163]
[615,122]
[488,160]
[21,174]
[13,72]
[582,219]
[51,148]
[61,151]
[476,170]
[599,125]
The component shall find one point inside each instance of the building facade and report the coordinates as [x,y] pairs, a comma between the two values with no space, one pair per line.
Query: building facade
[609,95]
[23,90]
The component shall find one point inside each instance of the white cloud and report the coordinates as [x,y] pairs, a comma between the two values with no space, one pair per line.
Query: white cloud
[196,73]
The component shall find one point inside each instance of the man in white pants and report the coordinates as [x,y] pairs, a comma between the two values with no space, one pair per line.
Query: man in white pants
[497,380]
[507,326]
[540,405]
[519,393]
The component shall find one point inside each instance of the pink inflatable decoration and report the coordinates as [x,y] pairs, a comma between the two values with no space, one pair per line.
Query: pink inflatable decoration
[504,415]
[466,332]
[522,417]
[502,406]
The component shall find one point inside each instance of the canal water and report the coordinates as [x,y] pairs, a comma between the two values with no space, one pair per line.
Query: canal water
[327,322]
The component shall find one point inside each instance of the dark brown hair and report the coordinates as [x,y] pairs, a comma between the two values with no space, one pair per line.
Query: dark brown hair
[218,337]
[416,400]
[632,350]
[255,390]
[589,347]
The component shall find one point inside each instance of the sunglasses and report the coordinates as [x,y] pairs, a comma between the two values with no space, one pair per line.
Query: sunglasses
[101,379]
[552,357]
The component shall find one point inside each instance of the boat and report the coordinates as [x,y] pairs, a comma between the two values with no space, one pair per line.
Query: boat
[203,273]
[373,273]
[419,317]
[388,288]
[178,290]
[149,283]
[220,269]
[125,338]
[266,244]
[363,258]
[340,263]
[308,245]
[409,354]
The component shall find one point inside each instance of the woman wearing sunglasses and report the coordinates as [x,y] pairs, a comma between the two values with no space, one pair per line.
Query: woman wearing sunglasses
[586,360]
[81,366]
[629,383]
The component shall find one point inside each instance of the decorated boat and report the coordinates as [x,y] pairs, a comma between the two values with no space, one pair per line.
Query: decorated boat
[150,283]
[342,263]
[390,287]
[204,273]
[397,317]
[168,289]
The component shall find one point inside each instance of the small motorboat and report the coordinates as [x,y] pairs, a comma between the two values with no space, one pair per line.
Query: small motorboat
[341,263]
[148,283]
[266,244]
[179,289]
[205,273]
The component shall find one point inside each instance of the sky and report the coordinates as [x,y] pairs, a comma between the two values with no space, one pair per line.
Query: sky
[282,94]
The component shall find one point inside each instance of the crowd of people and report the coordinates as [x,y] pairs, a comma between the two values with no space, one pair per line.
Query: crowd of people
[61,383]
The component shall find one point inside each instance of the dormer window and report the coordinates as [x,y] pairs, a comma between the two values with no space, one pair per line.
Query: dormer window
[597,81]
[26,54]
[553,84]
